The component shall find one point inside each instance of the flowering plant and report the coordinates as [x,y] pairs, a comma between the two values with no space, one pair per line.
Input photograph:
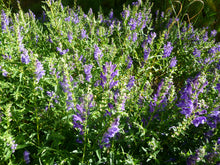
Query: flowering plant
[93,89]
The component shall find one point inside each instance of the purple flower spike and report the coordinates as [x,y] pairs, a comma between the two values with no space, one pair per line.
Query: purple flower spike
[26,157]
[97,53]
[4,21]
[87,70]
[112,84]
[115,73]
[111,14]
[218,87]
[151,37]
[25,57]
[173,62]
[62,52]
[132,23]
[83,34]
[199,120]
[130,61]
[134,38]
[131,83]
[146,54]
[125,14]
[213,33]
[167,50]
[4,73]
[110,133]
[70,37]
[40,72]
[49,39]
[205,37]
[196,52]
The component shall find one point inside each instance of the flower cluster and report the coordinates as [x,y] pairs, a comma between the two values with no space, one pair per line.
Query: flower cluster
[27,157]
[108,71]
[112,130]
[167,49]
[40,72]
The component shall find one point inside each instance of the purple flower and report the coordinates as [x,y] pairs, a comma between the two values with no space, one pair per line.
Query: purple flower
[160,85]
[131,83]
[4,21]
[116,94]
[125,14]
[87,70]
[67,19]
[218,87]
[213,33]
[26,157]
[167,50]
[111,15]
[112,130]
[137,3]
[50,94]
[83,34]
[151,37]
[146,53]
[199,120]
[4,73]
[6,57]
[39,88]
[196,52]
[13,146]
[212,50]
[139,18]
[201,112]
[132,23]
[97,53]
[173,62]
[78,121]
[110,106]
[123,103]
[97,83]
[49,39]
[113,73]
[40,72]
[191,160]
[37,36]
[112,84]
[205,37]
[103,77]
[130,61]
[62,52]
[25,57]
[70,37]
[108,69]
[75,18]
[162,14]
[134,38]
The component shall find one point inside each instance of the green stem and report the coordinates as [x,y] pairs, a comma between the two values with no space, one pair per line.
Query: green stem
[38,136]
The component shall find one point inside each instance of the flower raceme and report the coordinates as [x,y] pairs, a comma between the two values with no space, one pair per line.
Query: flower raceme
[173,62]
[27,157]
[4,21]
[40,72]
[107,75]
[97,54]
[112,130]
[167,49]
[87,70]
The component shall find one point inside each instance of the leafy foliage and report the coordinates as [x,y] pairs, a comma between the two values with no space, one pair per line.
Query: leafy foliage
[76,88]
